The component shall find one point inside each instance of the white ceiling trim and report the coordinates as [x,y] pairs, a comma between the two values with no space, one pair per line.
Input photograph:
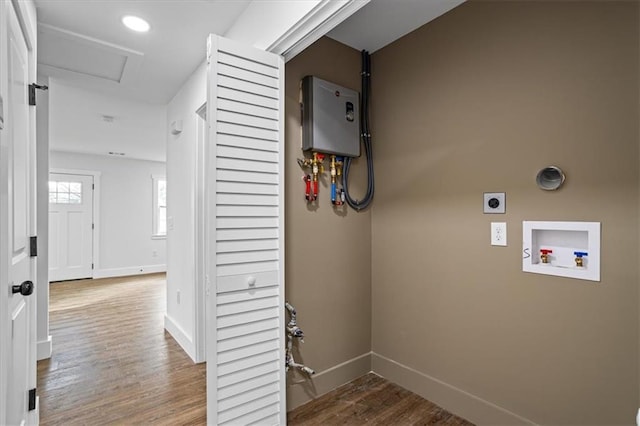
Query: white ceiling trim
[322,19]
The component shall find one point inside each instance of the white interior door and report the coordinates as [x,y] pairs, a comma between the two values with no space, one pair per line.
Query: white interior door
[18,184]
[245,235]
[70,226]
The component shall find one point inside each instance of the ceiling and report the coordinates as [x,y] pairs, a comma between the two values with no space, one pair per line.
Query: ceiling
[83,44]
[86,43]
[383,21]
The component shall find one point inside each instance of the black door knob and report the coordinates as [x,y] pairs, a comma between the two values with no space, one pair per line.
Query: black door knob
[25,289]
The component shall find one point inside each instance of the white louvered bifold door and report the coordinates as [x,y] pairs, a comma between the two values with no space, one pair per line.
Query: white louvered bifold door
[245,233]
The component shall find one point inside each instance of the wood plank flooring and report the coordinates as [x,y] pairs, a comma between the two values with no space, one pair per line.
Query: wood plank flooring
[112,362]
[372,400]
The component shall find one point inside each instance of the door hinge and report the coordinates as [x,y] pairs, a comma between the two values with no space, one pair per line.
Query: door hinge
[33,246]
[32,399]
[93,226]
[32,92]
[92,266]
[93,186]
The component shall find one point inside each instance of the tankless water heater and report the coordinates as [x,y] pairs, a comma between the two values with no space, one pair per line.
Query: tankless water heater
[330,118]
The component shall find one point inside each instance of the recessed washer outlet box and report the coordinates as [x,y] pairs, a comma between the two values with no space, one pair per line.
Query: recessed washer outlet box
[494,202]
[330,118]
[570,249]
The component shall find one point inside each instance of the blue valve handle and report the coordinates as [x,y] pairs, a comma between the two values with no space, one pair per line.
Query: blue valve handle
[579,254]
[333,192]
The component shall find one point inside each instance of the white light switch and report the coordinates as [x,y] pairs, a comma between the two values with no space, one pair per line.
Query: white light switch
[498,233]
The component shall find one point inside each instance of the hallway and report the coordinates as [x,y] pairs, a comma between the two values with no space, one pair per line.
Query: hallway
[112,360]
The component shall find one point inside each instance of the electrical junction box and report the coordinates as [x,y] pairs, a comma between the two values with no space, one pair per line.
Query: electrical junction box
[330,118]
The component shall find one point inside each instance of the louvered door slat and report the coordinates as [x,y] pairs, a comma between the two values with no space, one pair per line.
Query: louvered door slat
[247,75]
[245,234]
[247,154]
[246,195]
[242,222]
[247,98]
[247,373]
[238,354]
[250,210]
[243,63]
[252,304]
[245,176]
[249,362]
[239,415]
[240,142]
[247,245]
[242,189]
[245,108]
[248,266]
[238,400]
[238,129]
[247,165]
[247,317]
[247,329]
[247,119]
[247,87]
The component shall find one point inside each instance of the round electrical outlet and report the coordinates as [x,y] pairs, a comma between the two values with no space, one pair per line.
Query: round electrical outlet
[494,202]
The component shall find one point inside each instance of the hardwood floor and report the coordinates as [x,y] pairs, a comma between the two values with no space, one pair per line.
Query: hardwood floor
[112,360]
[372,400]
[113,363]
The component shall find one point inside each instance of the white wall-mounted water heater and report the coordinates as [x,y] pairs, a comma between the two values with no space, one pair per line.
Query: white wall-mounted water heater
[330,118]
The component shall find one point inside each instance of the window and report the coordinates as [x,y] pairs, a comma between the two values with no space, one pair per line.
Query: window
[65,192]
[159,206]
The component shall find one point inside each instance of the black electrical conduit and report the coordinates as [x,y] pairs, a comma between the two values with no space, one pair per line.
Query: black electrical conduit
[365,136]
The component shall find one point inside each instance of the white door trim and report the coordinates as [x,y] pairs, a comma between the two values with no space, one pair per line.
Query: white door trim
[199,338]
[322,19]
[96,210]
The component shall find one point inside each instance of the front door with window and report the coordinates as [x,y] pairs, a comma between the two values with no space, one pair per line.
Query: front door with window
[70,226]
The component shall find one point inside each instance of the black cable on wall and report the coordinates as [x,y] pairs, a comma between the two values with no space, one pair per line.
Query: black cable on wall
[365,136]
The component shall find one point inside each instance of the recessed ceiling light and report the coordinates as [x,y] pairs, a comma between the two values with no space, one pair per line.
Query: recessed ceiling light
[136,24]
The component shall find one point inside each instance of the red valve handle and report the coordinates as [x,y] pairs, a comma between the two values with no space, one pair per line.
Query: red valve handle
[545,251]
[307,191]
[315,189]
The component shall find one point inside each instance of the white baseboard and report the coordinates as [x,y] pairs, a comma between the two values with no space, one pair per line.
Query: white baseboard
[180,336]
[44,348]
[131,270]
[302,389]
[455,400]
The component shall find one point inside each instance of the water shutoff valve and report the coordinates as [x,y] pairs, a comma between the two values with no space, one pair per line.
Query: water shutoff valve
[544,255]
[579,255]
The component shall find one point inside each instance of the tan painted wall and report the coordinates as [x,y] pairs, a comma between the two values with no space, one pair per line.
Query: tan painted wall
[477,101]
[328,267]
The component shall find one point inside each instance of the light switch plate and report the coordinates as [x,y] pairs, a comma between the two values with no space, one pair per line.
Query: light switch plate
[495,202]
